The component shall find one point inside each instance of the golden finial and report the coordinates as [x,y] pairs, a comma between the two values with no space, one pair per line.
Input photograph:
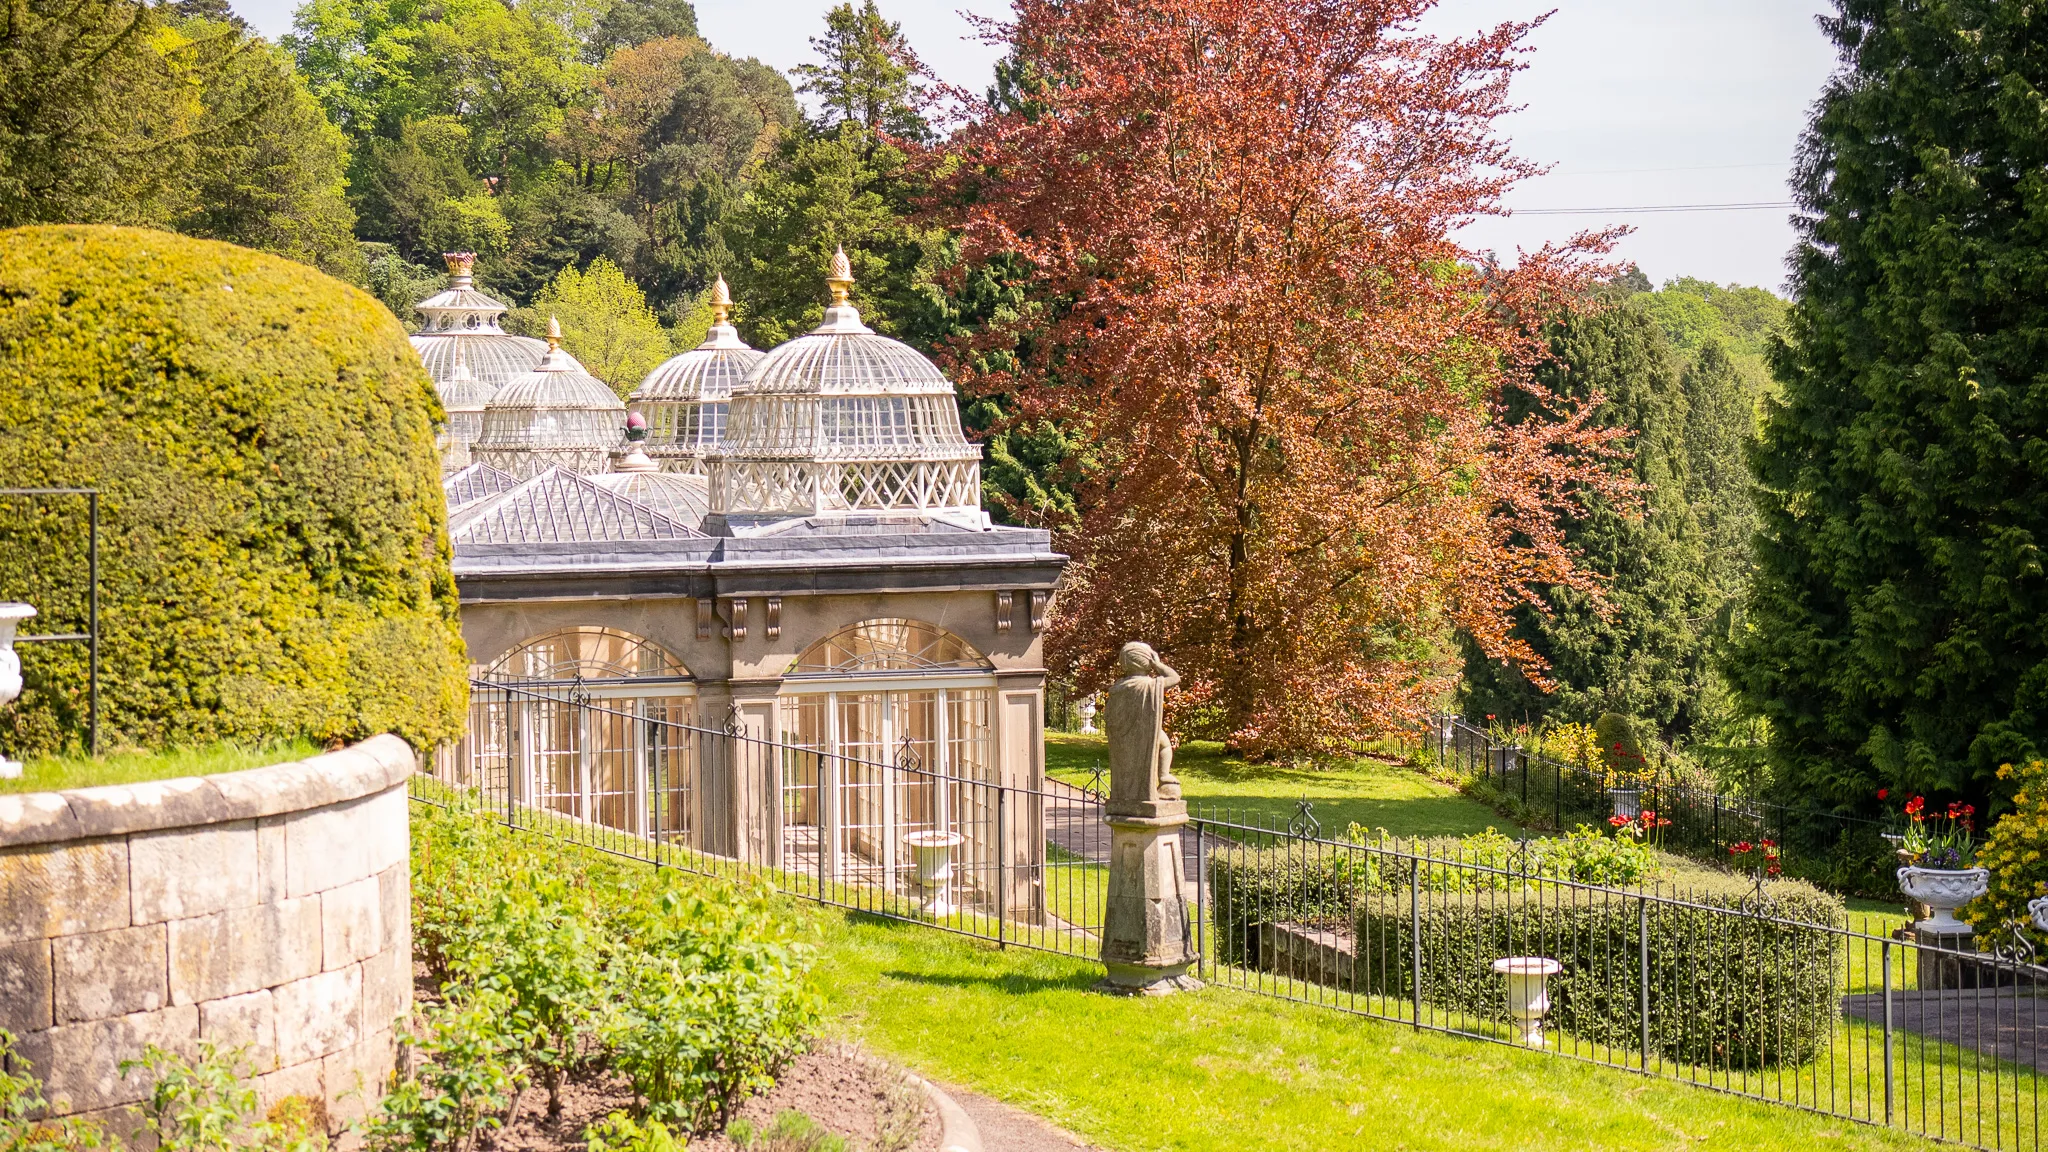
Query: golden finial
[721,302]
[554,334]
[841,279]
[460,264]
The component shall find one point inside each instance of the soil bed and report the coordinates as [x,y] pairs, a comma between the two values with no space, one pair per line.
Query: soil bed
[845,1092]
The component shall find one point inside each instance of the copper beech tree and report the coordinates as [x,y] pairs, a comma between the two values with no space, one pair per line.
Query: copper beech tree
[1234,219]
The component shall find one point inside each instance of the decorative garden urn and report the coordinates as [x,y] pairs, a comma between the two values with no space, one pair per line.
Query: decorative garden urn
[1087,710]
[1528,993]
[933,852]
[1943,890]
[2037,911]
[11,616]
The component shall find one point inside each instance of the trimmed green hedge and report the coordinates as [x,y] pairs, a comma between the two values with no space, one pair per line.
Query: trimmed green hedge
[274,552]
[1726,990]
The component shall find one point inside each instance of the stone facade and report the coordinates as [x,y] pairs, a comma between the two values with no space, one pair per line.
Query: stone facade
[268,909]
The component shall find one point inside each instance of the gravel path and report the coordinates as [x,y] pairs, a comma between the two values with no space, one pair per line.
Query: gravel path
[1007,1129]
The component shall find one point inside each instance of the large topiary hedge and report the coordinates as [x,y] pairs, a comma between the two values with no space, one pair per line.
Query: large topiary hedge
[274,552]
[1727,989]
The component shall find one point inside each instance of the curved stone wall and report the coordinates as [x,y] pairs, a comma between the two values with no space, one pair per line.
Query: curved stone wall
[269,908]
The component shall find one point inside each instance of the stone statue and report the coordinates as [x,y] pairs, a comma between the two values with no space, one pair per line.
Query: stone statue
[1140,755]
[1146,944]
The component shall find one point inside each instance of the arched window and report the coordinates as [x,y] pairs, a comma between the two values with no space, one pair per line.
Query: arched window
[889,646]
[587,653]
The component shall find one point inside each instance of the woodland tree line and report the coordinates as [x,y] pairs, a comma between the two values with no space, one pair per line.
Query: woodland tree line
[1193,264]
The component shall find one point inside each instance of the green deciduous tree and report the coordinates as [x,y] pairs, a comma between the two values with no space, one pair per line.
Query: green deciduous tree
[606,323]
[1898,626]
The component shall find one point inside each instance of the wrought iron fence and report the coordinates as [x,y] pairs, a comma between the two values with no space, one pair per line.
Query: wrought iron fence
[1848,853]
[1764,991]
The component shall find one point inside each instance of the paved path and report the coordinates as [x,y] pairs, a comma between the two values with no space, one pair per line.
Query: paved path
[2003,1022]
[1008,1129]
[1073,821]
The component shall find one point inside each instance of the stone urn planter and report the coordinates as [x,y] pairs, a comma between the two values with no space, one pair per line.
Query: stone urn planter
[1627,801]
[1087,710]
[1528,980]
[2037,911]
[1943,890]
[933,852]
[11,616]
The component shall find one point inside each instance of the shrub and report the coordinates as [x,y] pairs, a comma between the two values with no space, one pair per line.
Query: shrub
[207,1105]
[1727,990]
[707,1006]
[2016,852]
[1621,750]
[465,1078]
[274,550]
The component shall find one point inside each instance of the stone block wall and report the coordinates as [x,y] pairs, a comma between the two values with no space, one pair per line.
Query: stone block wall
[269,909]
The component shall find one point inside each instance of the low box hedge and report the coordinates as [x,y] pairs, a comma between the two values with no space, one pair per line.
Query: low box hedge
[1726,989]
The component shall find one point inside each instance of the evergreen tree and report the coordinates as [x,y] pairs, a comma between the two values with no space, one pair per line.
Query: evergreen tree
[866,75]
[1898,627]
[1642,656]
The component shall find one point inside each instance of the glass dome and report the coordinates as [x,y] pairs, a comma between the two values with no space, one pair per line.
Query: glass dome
[844,420]
[463,397]
[557,415]
[634,475]
[464,321]
[684,400]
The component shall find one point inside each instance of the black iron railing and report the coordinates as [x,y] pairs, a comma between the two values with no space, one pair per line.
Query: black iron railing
[1764,990]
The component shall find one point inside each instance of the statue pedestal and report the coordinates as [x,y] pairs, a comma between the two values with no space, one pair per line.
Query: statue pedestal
[1146,936]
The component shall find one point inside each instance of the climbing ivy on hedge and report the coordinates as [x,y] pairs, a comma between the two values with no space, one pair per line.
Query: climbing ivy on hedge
[274,553]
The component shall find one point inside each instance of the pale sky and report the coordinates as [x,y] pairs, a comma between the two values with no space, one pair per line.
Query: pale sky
[1634,103]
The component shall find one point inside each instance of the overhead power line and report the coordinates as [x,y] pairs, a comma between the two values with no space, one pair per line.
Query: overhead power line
[1637,209]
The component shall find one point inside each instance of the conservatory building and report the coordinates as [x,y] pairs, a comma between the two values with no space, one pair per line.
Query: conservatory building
[817,648]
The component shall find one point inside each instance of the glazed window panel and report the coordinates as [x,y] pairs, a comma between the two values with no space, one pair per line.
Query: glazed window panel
[585,653]
[891,645]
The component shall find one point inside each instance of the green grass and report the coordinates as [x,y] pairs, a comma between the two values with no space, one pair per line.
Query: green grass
[49,774]
[1229,1071]
[1371,792]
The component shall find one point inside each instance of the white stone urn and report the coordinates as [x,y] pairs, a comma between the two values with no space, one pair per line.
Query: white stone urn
[933,852]
[2037,911]
[1943,890]
[1528,992]
[1087,710]
[11,616]
[1627,801]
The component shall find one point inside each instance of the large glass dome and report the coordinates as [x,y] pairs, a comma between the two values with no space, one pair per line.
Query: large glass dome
[684,400]
[463,397]
[557,415]
[844,420]
[462,323]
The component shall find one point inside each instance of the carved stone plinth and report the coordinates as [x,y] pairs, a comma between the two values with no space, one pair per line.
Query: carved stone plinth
[1146,938]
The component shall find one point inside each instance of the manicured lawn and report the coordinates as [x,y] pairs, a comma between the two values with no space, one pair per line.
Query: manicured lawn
[52,773]
[1371,792]
[1227,1071]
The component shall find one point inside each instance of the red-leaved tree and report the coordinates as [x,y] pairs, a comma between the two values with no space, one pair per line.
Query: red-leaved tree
[1235,222]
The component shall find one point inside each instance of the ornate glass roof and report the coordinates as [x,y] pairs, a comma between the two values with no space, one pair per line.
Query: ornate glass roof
[684,400]
[844,419]
[557,415]
[682,498]
[463,320]
[473,483]
[560,507]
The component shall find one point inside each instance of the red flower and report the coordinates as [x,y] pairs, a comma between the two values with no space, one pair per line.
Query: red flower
[1739,847]
[1618,821]
[1770,843]
[1489,715]
[1883,792]
[1915,805]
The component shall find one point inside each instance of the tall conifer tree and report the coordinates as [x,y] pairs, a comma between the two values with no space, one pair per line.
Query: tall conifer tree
[1898,633]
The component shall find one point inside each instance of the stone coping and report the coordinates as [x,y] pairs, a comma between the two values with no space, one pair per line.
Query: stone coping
[363,769]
